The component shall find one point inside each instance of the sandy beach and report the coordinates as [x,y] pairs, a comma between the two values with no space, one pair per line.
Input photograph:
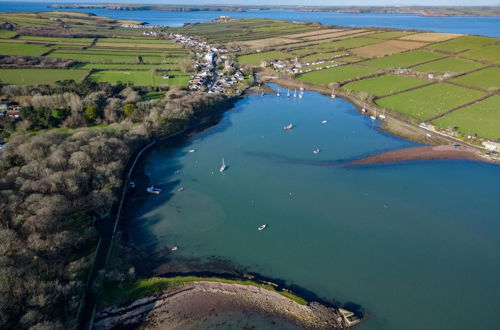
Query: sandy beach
[182,307]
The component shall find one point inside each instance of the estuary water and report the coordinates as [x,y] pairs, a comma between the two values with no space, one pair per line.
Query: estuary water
[488,26]
[416,244]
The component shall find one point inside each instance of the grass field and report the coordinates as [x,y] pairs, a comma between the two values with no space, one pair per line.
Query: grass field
[481,118]
[348,43]
[451,65]
[138,78]
[6,34]
[463,43]
[388,47]
[485,79]
[129,66]
[384,85]
[256,59]
[22,49]
[403,60]
[97,58]
[38,76]
[390,34]
[338,74]
[429,101]
[488,53]
[431,36]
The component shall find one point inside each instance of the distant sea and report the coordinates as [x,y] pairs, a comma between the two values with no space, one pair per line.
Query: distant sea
[488,26]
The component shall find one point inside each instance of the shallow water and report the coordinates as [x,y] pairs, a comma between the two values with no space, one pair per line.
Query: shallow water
[413,244]
[489,26]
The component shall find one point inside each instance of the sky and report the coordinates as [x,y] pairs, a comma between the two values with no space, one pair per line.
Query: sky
[296,2]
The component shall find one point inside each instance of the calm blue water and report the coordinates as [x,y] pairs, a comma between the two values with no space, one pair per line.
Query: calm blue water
[416,244]
[489,26]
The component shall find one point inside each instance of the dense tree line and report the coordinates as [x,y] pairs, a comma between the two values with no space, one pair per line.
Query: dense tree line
[54,182]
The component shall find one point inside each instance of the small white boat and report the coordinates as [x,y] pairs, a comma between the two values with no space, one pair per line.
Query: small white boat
[363,110]
[153,190]
[223,166]
[288,93]
[382,116]
[175,248]
[373,117]
[333,96]
[278,93]
[261,227]
[288,127]
[192,150]
[324,121]
[316,151]
[294,93]
[180,189]
[132,184]
[300,95]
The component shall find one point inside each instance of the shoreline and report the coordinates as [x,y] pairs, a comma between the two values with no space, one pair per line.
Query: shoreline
[396,126]
[193,303]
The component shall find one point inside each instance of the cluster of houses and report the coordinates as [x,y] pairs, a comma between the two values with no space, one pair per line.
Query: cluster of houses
[297,67]
[207,59]
[10,111]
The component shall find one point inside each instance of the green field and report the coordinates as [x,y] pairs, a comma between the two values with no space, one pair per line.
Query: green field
[481,118]
[429,101]
[390,34]
[22,49]
[485,79]
[450,65]
[348,43]
[101,58]
[139,41]
[488,53]
[129,66]
[384,85]
[256,59]
[138,78]
[463,43]
[38,76]
[6,34]
[338,74]
[403,60]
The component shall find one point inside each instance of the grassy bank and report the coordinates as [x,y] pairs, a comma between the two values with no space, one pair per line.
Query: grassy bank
[119,293]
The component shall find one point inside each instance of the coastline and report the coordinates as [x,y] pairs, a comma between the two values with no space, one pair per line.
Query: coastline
[192,303]
[397,126]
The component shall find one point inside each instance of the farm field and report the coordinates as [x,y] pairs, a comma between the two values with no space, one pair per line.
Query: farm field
[6,34]
[96,58]
[482,118]
[348,43]
[451,65]
[390,34]
[129,66]
[403,60]
[22,49]
[430,37]
[338,74]
[384,85]
[488,53]
[460,44]
[388,47]
[256,59]
[38,76]
[138,78]
[485,79]
[429,101]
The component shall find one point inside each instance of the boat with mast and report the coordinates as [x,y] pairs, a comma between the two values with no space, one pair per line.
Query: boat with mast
[288,92]
[223,166]
[278,93]
[295,93]
[333,93]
